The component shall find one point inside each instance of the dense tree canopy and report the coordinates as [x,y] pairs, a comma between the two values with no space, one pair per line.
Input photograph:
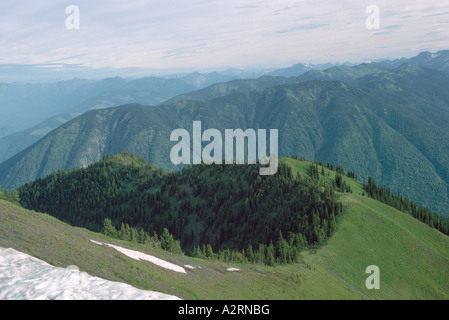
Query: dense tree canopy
[209,208]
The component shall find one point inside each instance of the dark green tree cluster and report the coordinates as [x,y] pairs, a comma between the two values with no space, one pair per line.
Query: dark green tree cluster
[314,171]
[341,184]
[295,157]
[425,215]
[340,170]
[127,233]
[283,252]
[352,175]
[168,243]
[229,207]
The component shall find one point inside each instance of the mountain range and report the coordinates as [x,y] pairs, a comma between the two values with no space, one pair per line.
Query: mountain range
[21,126]
[33,110]
[434,60]
[390,125]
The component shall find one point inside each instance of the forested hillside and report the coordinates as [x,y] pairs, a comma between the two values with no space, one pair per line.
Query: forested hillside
[228,210]
[225,206]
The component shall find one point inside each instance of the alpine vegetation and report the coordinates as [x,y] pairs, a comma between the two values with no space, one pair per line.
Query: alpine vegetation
[213,152]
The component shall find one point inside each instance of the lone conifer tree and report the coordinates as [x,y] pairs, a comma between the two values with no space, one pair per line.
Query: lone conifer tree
[108,229]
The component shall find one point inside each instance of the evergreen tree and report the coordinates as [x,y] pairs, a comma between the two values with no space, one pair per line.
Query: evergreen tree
[209,251]
[133,235]
[166,240]
[270,255]
[338,180]
[141,237]
[108,229]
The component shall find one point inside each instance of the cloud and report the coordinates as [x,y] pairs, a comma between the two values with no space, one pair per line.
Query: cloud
[308,26]
[394,27]
[213,34]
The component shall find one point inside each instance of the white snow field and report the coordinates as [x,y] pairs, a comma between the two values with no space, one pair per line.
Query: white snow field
[23,277]
[142,256]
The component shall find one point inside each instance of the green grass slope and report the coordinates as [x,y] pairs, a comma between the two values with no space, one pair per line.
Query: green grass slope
[413,258]
[61,245]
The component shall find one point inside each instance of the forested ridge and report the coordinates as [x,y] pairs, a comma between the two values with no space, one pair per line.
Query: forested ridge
[225,207]
[397,201]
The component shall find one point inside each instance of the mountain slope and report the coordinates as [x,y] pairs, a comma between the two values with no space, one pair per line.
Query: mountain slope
[102,94]
[61,245]
[365,128]
[367,230]
[421,117]
[225,88]
[24,277]
[413,259]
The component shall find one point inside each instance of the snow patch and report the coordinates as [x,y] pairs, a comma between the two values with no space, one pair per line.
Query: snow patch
[96,242]
[73,268]
[23,277]
[232,269]
[189,266]
[136,255]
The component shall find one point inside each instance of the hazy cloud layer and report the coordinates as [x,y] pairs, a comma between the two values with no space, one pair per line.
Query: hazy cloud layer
[163,34]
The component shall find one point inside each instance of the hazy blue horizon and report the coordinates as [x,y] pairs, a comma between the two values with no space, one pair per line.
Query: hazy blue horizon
[160,37]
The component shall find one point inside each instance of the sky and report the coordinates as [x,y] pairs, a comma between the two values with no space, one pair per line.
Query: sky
[172,35]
